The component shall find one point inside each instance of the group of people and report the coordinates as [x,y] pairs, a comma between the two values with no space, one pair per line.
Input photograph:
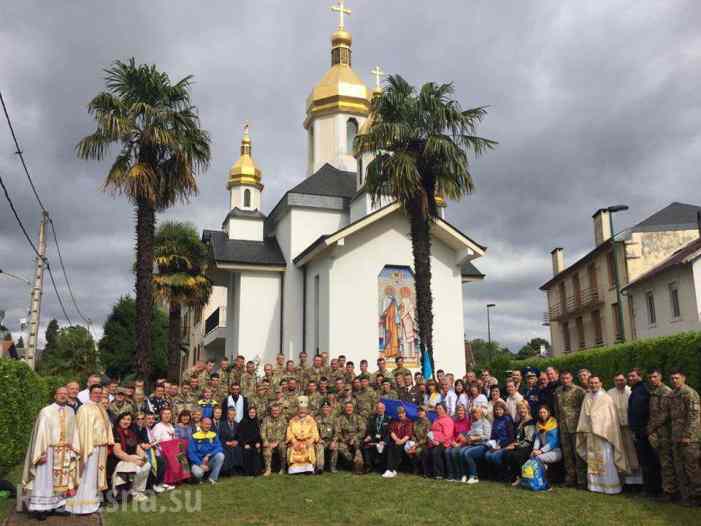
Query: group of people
[313,418]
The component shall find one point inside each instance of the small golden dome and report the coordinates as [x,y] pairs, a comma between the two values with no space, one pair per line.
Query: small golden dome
[341,38]
[245,171]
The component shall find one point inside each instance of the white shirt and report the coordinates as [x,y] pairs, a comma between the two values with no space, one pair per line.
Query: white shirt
[163,432]
[511,403]
[84,396]
[451,401]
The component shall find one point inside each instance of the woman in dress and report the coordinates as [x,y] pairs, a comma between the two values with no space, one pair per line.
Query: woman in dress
[248,437]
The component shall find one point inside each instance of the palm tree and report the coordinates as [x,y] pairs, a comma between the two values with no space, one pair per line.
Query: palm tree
[180,258]
[162,149]
[420,141]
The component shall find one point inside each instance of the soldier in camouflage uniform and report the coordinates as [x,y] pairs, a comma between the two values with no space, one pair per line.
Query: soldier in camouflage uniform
[260,401]
[224,373]
[366,398]
[120,405]
[399,368]
[325,446]
[422,426]
[278,369]
[387,392]
[268,377]
[236,372]
[184,400]
[685,415]
[274,435]
[196,387]
[313,399]
[659,434]
[568,404]
[349,431]
[303,371]
[290,401]
[249,379]
[317,370]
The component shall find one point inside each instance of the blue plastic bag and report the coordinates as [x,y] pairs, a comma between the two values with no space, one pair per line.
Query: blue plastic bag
[533,476]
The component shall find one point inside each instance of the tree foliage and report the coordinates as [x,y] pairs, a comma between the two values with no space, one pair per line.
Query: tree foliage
[532,348]
[118,344]
[72,353]
[162,149]
[420,142]
[484,352]
[180,281]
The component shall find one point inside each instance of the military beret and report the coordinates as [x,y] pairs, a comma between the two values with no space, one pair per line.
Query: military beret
[363,376]
[325,403]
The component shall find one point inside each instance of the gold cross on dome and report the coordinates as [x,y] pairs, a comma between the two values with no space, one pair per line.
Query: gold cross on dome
[341,9]
[378,73]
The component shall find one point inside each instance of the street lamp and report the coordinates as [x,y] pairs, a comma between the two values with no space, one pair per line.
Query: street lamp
[619,311]
[489,326]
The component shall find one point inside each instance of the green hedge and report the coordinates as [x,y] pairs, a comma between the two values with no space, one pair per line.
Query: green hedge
[22,394]
[665,353]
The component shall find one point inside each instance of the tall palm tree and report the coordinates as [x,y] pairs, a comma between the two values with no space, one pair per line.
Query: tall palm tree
[180,281]
[420,141]
[162,149]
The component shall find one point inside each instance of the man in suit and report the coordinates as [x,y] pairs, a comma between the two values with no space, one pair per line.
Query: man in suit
[376,439]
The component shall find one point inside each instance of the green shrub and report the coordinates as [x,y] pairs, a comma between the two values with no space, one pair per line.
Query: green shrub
[664,353]
[22,394]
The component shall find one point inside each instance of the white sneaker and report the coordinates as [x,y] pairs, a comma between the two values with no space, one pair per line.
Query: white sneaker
[394,473]
[212,482]
[387,474]
[158,488]
[139,497]
[463,479]
[473,480]
[168,487]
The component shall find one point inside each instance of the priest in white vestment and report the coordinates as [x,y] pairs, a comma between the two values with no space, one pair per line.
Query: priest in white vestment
[51,466]
[620,394]
[599,441]
[94,437]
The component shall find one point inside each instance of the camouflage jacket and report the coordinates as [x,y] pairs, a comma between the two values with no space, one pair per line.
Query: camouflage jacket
[684,414]
[349,428]
[248,384]
[261,403]
[659,424]
[421,428]
[115,408]
[568,402]
[326,428]
[273,429]
[365,401]
[314,403]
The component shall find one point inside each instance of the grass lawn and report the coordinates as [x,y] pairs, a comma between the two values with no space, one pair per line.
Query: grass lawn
[347,499]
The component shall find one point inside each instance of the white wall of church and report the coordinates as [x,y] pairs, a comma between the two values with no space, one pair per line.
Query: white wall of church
[236,197]
[259,316]
[250,229]
[330,144]
[352,324]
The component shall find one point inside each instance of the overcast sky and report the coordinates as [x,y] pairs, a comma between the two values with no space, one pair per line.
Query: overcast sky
[593,103]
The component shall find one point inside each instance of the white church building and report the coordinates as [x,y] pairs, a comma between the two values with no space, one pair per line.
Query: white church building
[325,270]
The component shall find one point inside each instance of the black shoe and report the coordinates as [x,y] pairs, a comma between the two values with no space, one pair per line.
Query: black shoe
[668,497]
[38,515]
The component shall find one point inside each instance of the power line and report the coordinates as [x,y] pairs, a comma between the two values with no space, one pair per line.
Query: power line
[65,274]
[11,275]
[19,221]
[60,301]
[51,222]
[19,152]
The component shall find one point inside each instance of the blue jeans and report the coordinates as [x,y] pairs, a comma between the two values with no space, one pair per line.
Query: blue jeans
[453,464]
[215,464]
[495,457]
[471,455]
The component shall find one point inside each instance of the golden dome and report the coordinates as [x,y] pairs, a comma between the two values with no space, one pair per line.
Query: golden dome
[340,90]
[245,170]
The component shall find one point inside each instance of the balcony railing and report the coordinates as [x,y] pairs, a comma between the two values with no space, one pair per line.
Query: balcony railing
[586,299]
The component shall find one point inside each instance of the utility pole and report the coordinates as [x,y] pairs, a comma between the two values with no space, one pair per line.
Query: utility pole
[35,306]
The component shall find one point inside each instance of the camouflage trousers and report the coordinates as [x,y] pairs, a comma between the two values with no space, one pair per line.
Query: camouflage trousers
[268,455]
[686,466]
[670,484]
[322,451]
[350,452]
[575,467]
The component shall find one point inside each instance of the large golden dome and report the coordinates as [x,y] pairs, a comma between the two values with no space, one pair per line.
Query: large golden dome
[340,89]
[245,171]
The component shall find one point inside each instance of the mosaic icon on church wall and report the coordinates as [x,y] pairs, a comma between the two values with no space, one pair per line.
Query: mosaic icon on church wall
[398,331]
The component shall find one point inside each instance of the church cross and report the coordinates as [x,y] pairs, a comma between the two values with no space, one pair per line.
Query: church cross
[378,73]
[341,9]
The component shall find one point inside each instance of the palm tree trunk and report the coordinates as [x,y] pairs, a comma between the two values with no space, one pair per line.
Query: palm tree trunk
[421,248]
[174,337]
[145,232]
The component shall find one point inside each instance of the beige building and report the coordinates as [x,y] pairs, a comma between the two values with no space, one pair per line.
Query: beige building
[586,306]
[666,298]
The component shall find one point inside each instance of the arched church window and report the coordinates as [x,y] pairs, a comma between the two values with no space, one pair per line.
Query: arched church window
[351,132]
[247,198]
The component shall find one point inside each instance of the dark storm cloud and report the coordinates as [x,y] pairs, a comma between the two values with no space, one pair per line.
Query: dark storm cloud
[593,103]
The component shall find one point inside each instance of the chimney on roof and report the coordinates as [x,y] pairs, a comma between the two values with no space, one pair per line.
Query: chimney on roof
[602,226]
[558,257]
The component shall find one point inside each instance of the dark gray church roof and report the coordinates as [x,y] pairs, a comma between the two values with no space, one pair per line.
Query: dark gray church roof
[243,214]
[242,251]
[328,181]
